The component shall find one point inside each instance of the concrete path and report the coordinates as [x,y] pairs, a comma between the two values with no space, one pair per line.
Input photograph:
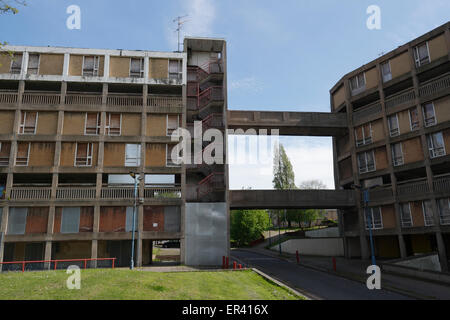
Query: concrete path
[356,270]
[313,283]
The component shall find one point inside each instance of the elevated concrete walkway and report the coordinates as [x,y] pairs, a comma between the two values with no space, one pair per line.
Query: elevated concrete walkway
[292,199]
[290,123]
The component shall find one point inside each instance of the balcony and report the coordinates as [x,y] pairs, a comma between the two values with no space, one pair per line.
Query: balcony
[83,99]
[28,193]
[384,193]
[48,98]
[360,115]
[442,184]
[405,96]
[413,189]
[75,192]
[117,193]
[164,101]
[170,192]
[8,97]
[214,120]
[435,86]
[124,100]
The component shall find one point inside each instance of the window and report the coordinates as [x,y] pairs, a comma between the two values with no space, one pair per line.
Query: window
[414,119]
[427,213]
[421,54]
[175,69]
[23,153]
[70,220]
[394,129]
[429,116]
[366,161]
[173,122]
[374,215]
[405,215]
[83,153]
[17,220]
[132,155]
[444,210]
[16,64]
[113,124]
[28,122]
[33,64]
[5,148]
[90,66]
[436,145]
[386,71]
[137,67]
[92,124]
[358,84]
[363,135]
[397,154]
[170,161]
[129,220]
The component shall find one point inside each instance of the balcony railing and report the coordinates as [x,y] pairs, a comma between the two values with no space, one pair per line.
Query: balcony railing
[413,188]
[8,97]
[214,120]
[163,193]
[434,86]
[401,98]
[380,194]
[83,99]
[124,100]
[25,193]
[164,101]
[214,182]
[366,112]
[76,193]
[117,193]
[441,184]
[41,98]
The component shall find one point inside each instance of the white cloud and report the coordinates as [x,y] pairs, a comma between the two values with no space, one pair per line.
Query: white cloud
[249,84]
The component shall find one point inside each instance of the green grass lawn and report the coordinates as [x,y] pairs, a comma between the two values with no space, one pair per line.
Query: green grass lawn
[123,284]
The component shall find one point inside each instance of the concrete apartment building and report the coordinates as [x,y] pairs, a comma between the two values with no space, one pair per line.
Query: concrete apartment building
[398,114]
[75,122]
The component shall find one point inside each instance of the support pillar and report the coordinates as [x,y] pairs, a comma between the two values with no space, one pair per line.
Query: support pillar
[94,253]
[402,246]
[48,254]
[441,252]
[3,224]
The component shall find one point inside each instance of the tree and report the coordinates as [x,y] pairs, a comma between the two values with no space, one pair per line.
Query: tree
[310,215]
[248,225]
[6,6]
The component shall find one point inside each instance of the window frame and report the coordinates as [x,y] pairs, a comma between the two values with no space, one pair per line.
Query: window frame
[179,73]
[424,211]
[410,119]
[380,226]
[138,158]
[402,222]
[429,124]
[444,219]
[108,124]
[22,126]
[366,162]
[431,149]
[28,157]
[95,69]
[89,154]
[394,162]
[7,158]
[417,57]
[167,124]
[360,88]
[386,77]
[38,64]
[171,165]
[394,132]
[62,220]
[142,67]
[98,125]
[365,140]
[11,69]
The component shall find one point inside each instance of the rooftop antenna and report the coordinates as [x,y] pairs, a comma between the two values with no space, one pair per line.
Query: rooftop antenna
[180,23]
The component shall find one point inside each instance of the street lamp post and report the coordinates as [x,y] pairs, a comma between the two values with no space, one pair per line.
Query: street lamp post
[133,229]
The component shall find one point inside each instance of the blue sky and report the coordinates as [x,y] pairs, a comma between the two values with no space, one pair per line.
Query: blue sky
[282,55]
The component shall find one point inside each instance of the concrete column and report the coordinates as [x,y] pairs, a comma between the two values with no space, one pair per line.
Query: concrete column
[402,246]
[139,236]
[183,173]
[94,249]
[48,254]
[442,252]
[106,68]
[66,66]
[3,229]
[25,58]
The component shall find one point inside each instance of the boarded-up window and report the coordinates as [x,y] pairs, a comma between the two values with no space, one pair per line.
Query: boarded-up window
[112,219]
[16,63]
[173,122]
[92,125]
[5,148]
[23,153]
[133,155]
[175,69]
[28,122]
[70,220]
[172,219]
[414,119]
[83,156]
[113,124]
[90,65]
[363,135]
[37,220]
[137,67]
[17,220]
[129,220]
[33,64]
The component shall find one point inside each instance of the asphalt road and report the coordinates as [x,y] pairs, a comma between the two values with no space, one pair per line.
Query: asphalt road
[314,284]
